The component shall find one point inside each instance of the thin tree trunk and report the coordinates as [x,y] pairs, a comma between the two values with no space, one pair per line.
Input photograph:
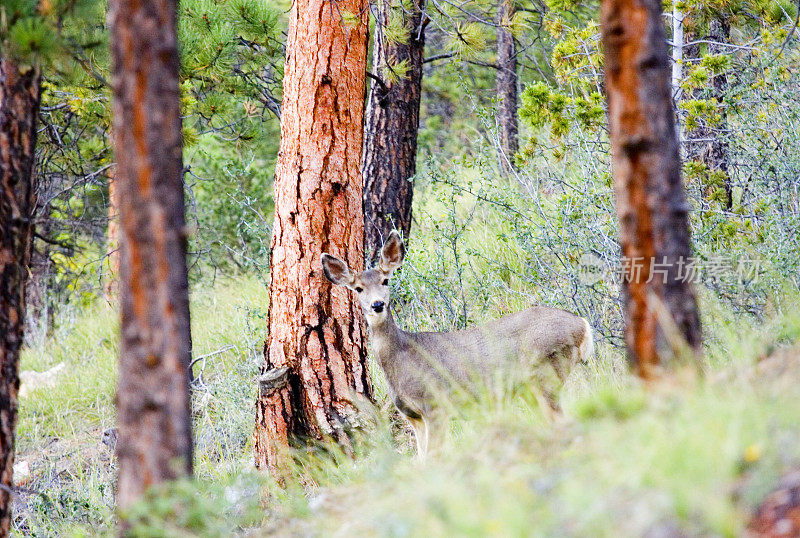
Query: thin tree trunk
[19,110]
[315,363]
[38,312]
[677,65]
[660,306]
[390,146]
[506,85]
[677,51]
[716,153]
[708,144]
[111,286]
[153,405]
[691,51]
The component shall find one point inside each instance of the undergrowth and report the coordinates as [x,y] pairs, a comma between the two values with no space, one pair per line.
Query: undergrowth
[696,454]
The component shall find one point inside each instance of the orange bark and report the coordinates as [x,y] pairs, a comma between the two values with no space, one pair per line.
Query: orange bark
[111,287]
[153,400]
[315,331]
[650,200]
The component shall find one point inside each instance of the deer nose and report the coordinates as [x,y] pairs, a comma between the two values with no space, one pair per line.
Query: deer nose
[377,306]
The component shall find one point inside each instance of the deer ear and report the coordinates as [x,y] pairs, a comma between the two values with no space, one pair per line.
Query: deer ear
[336,270]
[392,254]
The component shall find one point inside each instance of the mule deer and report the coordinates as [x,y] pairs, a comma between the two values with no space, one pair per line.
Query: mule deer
[420,366]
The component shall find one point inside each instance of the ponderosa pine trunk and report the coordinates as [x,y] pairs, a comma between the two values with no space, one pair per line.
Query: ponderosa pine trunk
[315,362]
[506,86]
[19,110]
[392,124]
[153,404]
[650,201]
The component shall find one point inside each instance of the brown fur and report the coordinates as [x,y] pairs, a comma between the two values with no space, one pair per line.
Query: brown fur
[419,367]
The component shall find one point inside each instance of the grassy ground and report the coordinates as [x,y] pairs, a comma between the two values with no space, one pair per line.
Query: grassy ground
[61,429]
[696,453]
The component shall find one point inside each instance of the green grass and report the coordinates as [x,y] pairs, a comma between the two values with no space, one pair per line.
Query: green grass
[621,463]
[696,453]
[87,344]
[60,429]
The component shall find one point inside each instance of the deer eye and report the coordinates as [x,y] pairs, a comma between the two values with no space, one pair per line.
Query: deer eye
[385,281]
[359,289]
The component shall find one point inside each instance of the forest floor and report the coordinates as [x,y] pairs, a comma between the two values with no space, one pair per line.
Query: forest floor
[695,454]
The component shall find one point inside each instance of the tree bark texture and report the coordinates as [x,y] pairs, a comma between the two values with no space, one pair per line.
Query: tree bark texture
[708,143]
[153,404]
[111,285]
[19,110]
[390,145]
[506,86]
[315,361]
[650,201]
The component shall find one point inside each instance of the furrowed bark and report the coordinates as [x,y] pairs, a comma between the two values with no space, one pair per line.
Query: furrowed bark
[650,201]
[315,361]
[506,86]
[390,146]
[19,110]
[153,405]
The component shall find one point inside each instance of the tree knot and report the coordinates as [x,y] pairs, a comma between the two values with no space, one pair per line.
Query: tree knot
[272,380]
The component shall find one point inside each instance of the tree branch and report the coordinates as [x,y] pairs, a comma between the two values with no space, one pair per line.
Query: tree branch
[452,54]
[55,242]
[380,82]
[439,57]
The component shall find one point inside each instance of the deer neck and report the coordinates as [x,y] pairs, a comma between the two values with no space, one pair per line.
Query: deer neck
[387,339]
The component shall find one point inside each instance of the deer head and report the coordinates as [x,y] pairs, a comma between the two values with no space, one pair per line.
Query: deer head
[372,285]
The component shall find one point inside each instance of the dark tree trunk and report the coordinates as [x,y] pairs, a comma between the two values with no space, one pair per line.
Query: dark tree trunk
[19,110]
[39,314]
[708,143]
[650,201]
[38,303]
[390,147]
[719,158]
[715,153]
[153,405]
[315,362]
[506,85]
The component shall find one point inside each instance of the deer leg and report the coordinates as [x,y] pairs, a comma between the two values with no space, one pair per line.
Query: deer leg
[564,361]
[557,361]
[546,400]
[420,436]
[544,391]
[551,402]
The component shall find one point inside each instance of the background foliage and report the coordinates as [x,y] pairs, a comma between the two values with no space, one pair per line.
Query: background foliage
[483,244]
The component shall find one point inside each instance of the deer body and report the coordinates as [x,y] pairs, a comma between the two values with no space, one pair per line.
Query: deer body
[421,367]
[415,363]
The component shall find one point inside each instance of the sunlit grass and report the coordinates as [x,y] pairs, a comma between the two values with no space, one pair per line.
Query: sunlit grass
[693,453]
[60,428]
[86,342]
